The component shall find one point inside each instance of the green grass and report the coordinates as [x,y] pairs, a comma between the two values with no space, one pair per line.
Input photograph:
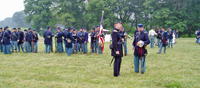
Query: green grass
[178,68]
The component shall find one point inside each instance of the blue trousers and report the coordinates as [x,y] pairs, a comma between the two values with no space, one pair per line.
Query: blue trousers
[137,61]
[98,47]
[6,49]
[47,48]
[93,46]
[84,48]
[30,46]
[125,47]
[69,51]
[77,47]
[152,41]
[176,35]
[51,49]
[170,43]
[35,47]
[27,47]
[1,47]
[62,47]
[14,43]
[20,46]
[65,48]
[161,46]
[59,47]
[158,42]
[197,41]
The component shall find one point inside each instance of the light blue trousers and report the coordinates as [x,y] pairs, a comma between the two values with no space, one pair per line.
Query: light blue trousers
[27,47]
[47,48]
[20,46]
[30,46]
[6,49]
[137,61]
[14,44]
[35,47]
[69,51]
[84,47]
[170,43]
[158,42]
[77,47]
[152,41]
[98,47]
[160,50]
[59,47]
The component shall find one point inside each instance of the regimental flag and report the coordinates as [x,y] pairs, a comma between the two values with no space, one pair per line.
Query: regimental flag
[101,38]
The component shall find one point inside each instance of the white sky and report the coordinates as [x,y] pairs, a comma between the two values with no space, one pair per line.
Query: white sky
[9,7]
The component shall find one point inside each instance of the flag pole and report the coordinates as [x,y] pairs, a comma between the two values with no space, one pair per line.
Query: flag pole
[99,36]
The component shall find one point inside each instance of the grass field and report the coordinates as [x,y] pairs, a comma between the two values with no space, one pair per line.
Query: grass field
[178,68]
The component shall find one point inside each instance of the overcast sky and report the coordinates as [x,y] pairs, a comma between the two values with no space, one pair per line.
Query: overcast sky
[9,7]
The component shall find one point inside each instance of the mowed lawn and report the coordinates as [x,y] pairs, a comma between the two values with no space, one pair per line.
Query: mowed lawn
[179,67]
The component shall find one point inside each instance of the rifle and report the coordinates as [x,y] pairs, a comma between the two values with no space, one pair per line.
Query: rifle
[125,46]
[74,47]
[56,45]
[33,43]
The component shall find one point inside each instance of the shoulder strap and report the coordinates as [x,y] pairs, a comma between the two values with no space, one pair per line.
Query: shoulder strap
[3,34]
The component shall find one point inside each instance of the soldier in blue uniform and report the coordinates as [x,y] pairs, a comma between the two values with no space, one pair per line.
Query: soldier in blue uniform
[141,40]
[48,40]
[117,51]
[59,41]
[27,49]
[99,48]
[69,39]
[65,37]
[197,36]
[1,45]
[163,40]
[9,32]
[6,41]
[14,38]
[93,40]
[123,34]
[75,41]
[35,41]
[159,37]
[85,41]
[44,36]
[30,38]
[80,39]
[20,40]
[170,37]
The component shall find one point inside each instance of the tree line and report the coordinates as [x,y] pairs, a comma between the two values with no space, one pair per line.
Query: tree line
[182,15]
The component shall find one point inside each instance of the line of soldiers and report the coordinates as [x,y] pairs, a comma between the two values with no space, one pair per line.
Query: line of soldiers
[164,38]
[74,41]
[13,41]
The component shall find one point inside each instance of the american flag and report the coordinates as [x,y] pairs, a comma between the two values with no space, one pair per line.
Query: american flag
[101,38]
